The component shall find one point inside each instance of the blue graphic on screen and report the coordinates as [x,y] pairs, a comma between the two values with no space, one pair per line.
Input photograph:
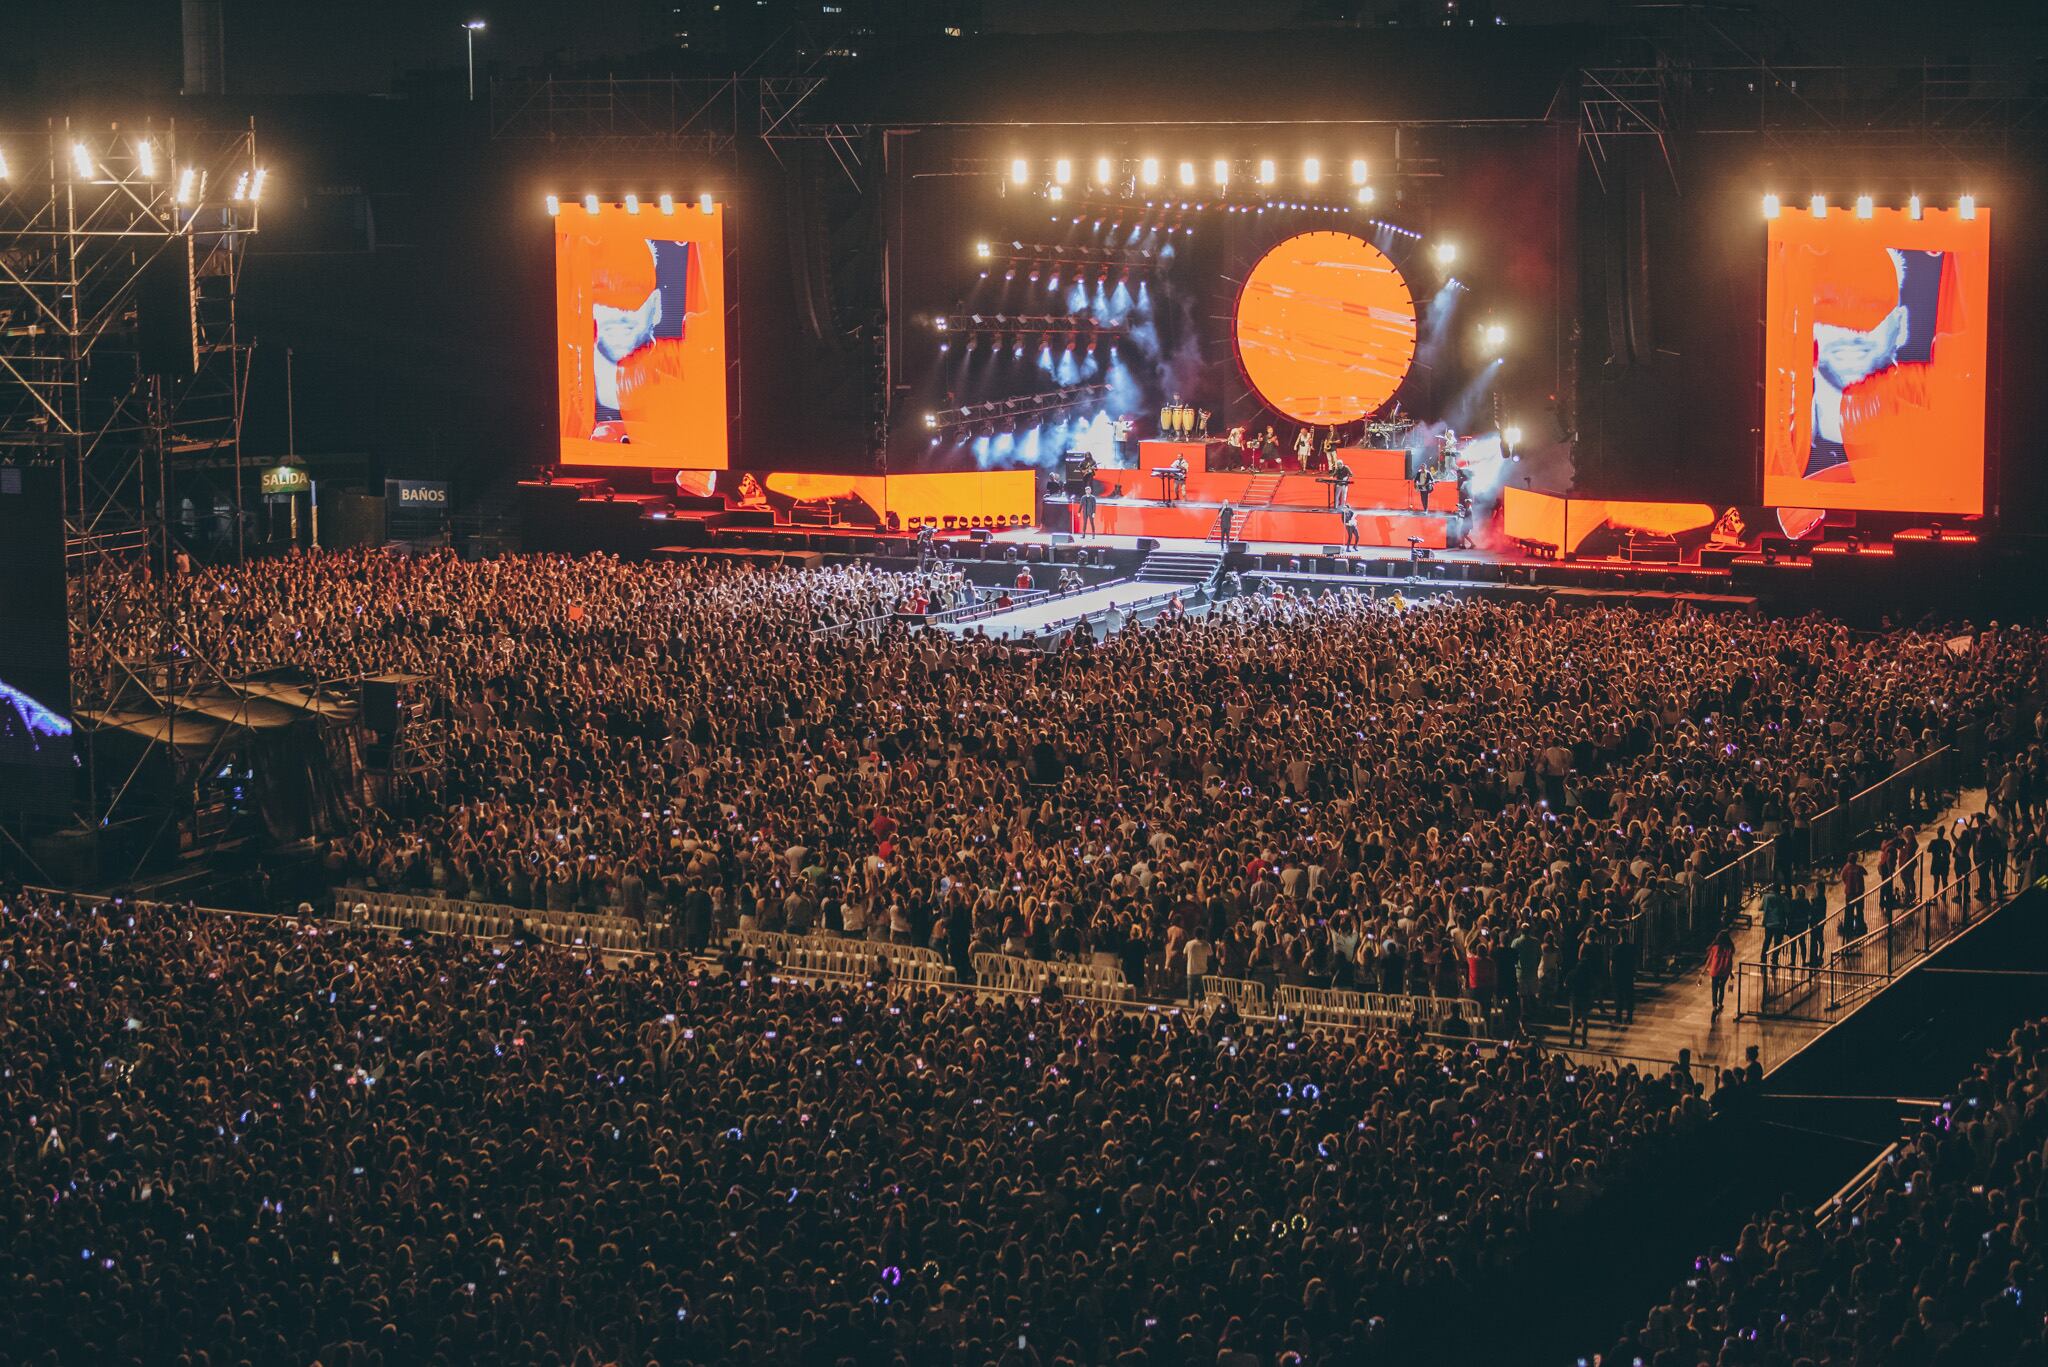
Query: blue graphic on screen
[31,733]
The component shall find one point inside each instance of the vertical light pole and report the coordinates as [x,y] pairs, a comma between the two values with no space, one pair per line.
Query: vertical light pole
[469,32]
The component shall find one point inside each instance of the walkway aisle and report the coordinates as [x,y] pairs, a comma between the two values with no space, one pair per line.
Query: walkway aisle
[1677,1013]
[1036,616]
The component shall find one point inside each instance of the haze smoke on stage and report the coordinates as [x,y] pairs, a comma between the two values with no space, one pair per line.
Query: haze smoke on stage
[1432,346]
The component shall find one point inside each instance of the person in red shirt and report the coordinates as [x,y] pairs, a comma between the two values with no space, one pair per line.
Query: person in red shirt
[1720,967]
[1024,577]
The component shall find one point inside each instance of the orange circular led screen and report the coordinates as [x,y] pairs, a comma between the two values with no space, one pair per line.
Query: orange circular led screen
[1325,328]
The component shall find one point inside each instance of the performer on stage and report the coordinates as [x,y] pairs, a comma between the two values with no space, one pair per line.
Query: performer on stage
[1224,521]
[1269,446]
[1304,443]
[1120,439]
[1349,517]
[1180,476]
[1203,430]
[1341,473]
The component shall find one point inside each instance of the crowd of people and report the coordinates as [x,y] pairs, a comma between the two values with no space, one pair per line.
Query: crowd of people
[1942,1263]
[1459,796]
[252,1139]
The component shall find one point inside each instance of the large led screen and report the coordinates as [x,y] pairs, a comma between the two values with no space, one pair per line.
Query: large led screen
[1325,328]
[38,753]
[1874,354]
[640,336]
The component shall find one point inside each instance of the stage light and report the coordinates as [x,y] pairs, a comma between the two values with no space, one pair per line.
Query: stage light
[940,322]
[931,420]
[1358,171]
[1818,206]
[554,201]
[81,160]
[1312,171]
[1864,208]
[1366,195]
[590,204]
[632,204]
[1063,170]
[1268,171]
[1102,170]
[1511,437]
[981,249]
[705,204]
[256,184]
[1494,336]
[1219,171]
[3,166]
[1187,174]
[145,158]
[1446,253]
[189,177]
[1966,207]
[241,187]
[1148,170]
[1772,207]
[1020,171]
[667,204]
[1913,208]
[1055,193]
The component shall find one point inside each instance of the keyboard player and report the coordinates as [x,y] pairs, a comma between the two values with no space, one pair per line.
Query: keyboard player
[1339,480]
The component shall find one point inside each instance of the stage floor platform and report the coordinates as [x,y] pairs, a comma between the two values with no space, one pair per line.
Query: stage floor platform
[1058,609]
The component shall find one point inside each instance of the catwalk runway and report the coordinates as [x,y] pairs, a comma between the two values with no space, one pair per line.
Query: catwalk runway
[1033,618]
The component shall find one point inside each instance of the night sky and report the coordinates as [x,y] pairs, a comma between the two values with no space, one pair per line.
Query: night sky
[66,48]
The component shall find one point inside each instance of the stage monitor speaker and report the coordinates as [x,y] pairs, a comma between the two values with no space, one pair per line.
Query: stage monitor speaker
[1062,538]
[981,535]
[381,697]
[1148,544]
[1333,551]
[1718,557]
[166,319]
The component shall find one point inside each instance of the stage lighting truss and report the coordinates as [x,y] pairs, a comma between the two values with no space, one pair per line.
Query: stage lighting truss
[1019,409]
[633,202]
[93,218]
[1865,206]
[1045,256]
[1051,327]
[1259,177]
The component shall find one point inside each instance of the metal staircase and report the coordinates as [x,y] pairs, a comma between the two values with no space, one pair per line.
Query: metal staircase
[1261,490]
[1182,567]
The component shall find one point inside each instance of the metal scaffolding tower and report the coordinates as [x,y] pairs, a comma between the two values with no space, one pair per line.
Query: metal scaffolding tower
[121,251]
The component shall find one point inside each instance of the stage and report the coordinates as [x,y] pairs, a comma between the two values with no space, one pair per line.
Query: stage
[1285,505]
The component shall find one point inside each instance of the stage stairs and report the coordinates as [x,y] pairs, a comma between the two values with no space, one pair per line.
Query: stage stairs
[1260,491]
[1182,567]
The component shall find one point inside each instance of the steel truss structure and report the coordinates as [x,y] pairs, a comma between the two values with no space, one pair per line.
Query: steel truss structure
[599,120]
[120,245]
[1931,118]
